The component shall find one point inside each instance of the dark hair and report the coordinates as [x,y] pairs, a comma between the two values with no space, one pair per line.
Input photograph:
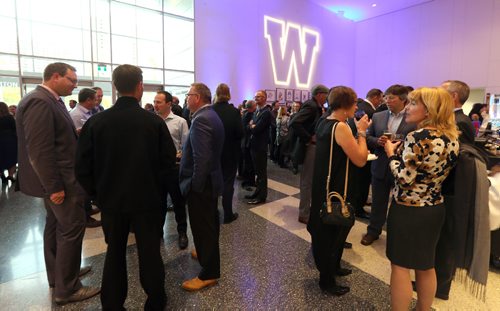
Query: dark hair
[399,90]
[96,88]
[60,68]
[204,91]
[222,93]
[476,109]
[126,78]
[168,96]
[4,110]
[373,93]
[85,94]
[341,97]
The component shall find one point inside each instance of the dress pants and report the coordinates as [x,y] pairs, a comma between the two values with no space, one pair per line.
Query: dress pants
[444,262]
[229,167]
[381,189]
[116,226]
[328,247]
[259,158]
[363,179]
[204,220]
[306,176]
[177,199]
[62,244]
[248,168]
[495,243]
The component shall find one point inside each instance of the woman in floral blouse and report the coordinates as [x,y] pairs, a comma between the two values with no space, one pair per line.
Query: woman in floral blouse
[417,211]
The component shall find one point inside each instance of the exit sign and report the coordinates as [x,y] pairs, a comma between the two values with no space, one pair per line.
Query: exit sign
[102,67]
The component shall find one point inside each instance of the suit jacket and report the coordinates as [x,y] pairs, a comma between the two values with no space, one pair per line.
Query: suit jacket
[245,119]
[233,130]
[259,138]
[124,156]
[366,107]
[46,146]
[201,154]
[466,128]
[304,121]
[376,129]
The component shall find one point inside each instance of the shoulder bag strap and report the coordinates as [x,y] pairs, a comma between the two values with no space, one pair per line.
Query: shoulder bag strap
[328,194]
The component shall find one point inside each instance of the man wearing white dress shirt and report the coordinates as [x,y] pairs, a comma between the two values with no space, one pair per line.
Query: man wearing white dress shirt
[178,128]
[80,114]
[83,110]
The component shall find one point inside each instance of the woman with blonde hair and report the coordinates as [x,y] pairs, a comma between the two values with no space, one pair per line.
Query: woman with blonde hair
[417,211]
[281,136]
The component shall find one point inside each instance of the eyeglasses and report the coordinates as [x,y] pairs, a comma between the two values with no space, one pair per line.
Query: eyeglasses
[74,81]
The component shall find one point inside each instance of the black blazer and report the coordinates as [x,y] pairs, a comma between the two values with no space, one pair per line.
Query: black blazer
[260,133]
[466,128]
[245,119]
[233,130]
[304,121]
[366,107]
[123,157]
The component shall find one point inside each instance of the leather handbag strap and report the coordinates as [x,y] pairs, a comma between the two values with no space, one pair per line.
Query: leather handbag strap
[330,168]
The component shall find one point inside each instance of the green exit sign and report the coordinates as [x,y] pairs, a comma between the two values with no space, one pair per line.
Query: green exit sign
[102,67]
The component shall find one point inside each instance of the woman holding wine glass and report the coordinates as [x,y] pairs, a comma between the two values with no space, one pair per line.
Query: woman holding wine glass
[417,211]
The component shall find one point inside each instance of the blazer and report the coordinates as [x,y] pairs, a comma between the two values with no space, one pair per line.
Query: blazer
[466,128]
[123,158]
[304,121]
[46,146]
[233,130]
[366,107]
[259,138]
[245,119]
[200,162]
[379,124]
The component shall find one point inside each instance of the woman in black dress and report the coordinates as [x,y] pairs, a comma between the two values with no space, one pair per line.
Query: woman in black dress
[8,143]
[327,240]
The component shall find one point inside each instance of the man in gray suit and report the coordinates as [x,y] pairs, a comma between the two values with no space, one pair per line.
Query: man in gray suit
[47,146]
[201,182]
[384,122]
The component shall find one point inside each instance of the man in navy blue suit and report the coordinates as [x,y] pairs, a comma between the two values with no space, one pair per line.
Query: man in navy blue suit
[201,182]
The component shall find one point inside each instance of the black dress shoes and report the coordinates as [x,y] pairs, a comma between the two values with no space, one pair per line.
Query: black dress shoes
[347,245]
[343,271]
[256,201]
[83,293]
[336,290]
[363,215]
[183,240]
[231,218]
[368,239]
[92,223]
[250,196]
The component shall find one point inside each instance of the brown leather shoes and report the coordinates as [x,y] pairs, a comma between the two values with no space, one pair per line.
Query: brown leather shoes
[368,239]
[197,284]
[85,292]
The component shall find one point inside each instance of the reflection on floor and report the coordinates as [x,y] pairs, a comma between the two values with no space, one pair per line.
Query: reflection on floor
[265,256]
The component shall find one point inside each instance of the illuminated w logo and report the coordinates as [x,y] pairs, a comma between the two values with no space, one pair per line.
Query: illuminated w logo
[293,50]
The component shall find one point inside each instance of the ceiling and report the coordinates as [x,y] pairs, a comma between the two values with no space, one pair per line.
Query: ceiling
[358,10]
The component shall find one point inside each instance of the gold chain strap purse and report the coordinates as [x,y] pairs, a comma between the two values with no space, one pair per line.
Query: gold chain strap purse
[341,212]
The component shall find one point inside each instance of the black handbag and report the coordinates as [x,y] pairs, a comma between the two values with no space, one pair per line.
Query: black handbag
[341,212]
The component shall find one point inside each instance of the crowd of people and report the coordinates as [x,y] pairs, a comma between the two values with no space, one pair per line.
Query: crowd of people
[88,160]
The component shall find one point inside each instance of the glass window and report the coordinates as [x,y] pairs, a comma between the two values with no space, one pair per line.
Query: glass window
[179,44]
[179,91]
[8,8]
[124,50]
[9,64]
[101,33]
[179,77]
[150,4]
[152,76]
[33,67]
[179,7]
[102,71]
[10,91]
[9,35]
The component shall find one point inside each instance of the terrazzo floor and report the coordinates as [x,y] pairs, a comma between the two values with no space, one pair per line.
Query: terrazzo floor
[266,262]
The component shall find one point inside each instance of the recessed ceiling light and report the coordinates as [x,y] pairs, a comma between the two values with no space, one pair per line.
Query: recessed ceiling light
[374,5]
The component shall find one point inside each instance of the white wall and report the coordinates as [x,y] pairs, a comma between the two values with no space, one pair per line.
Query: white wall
[429,43]
[230,46]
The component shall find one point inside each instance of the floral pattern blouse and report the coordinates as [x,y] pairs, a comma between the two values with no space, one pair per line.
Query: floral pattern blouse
[421,166]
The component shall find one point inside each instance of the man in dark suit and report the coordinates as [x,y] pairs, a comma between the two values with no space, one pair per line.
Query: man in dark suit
[363,175]
[385,122]
[201,181]
[47,145]
[303,125]
[445,264]
[233,131]
[124,155]
[248,169]
[259,128]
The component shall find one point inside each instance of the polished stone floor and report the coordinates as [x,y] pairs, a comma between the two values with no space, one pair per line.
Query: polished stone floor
[266,262]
